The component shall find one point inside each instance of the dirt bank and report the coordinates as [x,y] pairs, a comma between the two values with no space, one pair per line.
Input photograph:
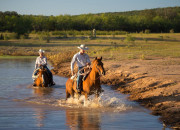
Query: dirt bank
[152,83]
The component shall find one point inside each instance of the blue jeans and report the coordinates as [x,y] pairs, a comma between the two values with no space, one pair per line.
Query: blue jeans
[79,79]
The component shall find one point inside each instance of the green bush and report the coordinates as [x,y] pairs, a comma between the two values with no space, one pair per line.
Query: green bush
[161,37]
[147,31]
[25,36]
[142,57]
[5,37]
[129,38]
[171,31]
[1,37]
[44,36]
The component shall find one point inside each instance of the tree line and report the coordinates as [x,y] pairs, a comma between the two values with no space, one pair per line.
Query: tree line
[155,20]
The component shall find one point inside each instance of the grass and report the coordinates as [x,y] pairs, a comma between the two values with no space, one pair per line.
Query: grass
[121,47]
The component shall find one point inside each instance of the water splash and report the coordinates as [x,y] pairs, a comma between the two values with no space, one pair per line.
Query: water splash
[104,102]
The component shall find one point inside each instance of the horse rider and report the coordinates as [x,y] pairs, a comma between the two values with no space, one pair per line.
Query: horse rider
[82,60]
[41,60]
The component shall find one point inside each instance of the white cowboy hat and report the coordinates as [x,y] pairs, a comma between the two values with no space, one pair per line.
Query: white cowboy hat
[83,47]
[41,51]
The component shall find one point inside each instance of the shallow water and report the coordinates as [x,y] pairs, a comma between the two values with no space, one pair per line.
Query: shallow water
[25,107]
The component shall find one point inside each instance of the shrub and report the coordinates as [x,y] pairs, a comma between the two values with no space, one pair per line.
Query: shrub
[61,57]
[1,36]
[142,57]
[25,36]
[129,38]
[171,31]
[44,36]
[147,31]
[5,37]
[161,37]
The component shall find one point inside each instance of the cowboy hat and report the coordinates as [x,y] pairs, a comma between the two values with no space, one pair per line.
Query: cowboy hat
[83,47]
[41,51]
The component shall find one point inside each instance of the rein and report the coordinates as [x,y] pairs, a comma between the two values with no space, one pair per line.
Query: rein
[89,72]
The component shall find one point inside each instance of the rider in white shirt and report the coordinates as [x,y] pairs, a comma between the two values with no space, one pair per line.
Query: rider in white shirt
[41,60]
[82,60]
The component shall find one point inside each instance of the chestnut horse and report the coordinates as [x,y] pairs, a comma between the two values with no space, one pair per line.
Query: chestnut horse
[42,80]
[91,85]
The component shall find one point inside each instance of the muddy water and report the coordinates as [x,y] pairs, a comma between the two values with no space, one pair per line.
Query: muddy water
[25,107]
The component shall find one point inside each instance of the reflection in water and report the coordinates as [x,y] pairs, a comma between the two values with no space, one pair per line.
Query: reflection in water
[40,113]
[40,116]
[41,91]
[82,119]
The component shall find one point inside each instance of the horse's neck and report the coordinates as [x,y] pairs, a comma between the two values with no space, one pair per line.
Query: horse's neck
[40,74]
[93,74]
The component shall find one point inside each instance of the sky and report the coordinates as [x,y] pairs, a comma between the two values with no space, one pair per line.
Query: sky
[76,7]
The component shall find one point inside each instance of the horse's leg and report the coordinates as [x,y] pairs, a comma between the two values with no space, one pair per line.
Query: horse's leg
[67,95]
[72,94]
[86,96]
[97,95]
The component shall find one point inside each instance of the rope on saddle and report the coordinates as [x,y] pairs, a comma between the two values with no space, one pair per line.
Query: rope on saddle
[85,72]
[33,75]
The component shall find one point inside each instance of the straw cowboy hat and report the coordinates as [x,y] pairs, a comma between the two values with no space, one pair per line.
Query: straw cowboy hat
[41,51]
[83,47]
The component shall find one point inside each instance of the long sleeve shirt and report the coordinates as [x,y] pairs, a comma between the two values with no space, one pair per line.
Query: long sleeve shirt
[40,61]
[81,59]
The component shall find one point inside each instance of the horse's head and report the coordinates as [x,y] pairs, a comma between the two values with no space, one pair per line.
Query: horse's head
[98,65]
[42,68]
[42,76]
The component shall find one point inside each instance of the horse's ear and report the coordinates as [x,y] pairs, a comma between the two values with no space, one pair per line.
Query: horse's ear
[101,58]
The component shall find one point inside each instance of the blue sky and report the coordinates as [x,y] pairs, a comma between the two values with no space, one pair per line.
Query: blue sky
[74,7]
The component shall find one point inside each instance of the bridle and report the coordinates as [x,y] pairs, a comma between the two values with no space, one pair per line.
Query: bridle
[89,72]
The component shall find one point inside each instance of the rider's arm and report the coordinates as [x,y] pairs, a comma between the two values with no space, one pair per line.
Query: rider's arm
[36,63]
[72,64]
[44,61]
[88,62]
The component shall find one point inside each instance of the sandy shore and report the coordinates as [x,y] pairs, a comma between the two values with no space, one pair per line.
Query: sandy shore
[153,83]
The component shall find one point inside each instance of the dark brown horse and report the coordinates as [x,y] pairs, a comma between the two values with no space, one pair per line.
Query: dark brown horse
[43,79]
[91,85]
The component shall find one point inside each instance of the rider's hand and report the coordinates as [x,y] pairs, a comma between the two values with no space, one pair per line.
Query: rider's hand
[88,65]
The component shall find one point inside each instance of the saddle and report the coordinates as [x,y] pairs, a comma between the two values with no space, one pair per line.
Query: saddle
[86,73]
